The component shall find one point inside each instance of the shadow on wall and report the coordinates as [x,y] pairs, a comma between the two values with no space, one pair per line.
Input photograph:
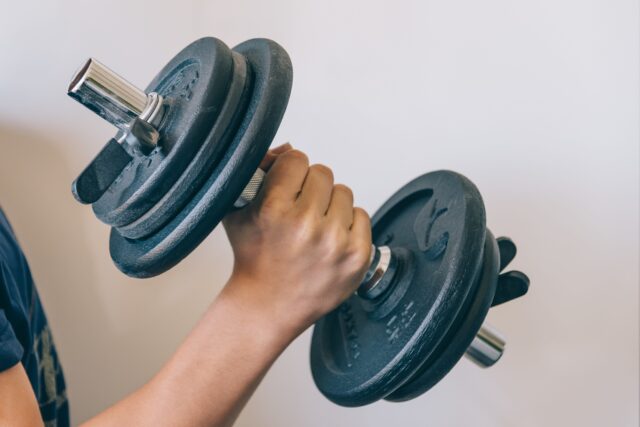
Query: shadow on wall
[112,332]
[35,195]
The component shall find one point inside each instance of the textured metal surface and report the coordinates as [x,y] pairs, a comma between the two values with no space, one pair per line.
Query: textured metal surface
[251,190]
[272,77]
[457,340]
[364,350]
[197,171]
[194,84]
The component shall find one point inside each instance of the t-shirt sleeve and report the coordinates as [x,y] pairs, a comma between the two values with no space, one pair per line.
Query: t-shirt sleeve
[10,348]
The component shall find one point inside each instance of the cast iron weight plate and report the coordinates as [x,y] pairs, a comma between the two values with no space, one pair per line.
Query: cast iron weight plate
[272,76]
[195,82]
[362,352]
[196,172]
[469,320]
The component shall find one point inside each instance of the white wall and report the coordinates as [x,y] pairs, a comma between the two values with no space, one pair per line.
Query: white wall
[536,102]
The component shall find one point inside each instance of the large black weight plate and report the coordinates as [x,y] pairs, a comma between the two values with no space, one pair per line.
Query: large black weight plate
[195,83]
[455,344]
[272,77]
[359,353]
[197,171]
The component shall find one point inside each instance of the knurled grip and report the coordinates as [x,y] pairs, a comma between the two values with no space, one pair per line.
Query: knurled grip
[251,190]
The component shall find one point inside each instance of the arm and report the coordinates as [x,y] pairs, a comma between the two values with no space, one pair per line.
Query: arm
[18,405]
[206,382]
[211,376]
[300,249]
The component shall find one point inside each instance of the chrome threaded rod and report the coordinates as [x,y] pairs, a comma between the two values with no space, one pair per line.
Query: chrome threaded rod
[113,98]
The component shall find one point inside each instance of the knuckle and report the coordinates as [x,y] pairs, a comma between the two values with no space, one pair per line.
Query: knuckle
[295,155]
[362,215]
[271,208]
[361,255]
[341,188]
[359,211]
[322,170]
[357,260]
[274,202]
[306,226]
[336,243]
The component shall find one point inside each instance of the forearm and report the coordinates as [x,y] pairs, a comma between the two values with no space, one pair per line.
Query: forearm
[213,373]
[300,249]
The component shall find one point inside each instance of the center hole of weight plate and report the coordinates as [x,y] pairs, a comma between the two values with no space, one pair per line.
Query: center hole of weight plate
[402,277]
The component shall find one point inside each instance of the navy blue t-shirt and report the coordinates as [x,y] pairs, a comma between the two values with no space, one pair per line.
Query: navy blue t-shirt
[24,332]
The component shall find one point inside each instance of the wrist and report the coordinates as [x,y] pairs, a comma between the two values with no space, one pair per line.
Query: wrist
[242,295]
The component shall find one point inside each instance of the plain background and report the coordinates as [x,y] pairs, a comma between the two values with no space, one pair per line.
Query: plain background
[536,102]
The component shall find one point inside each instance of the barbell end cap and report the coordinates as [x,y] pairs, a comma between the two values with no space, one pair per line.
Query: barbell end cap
[487,347]
[107,94]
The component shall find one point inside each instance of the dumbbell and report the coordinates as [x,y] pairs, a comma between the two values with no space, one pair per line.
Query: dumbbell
[187,152]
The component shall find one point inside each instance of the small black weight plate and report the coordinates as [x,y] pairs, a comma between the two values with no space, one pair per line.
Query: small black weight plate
[197,171]
[100,173]
[360,353]
[272,77]
[451,349]
[194,83]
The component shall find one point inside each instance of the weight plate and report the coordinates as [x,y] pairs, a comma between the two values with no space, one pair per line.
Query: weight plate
[361,353]
[197,171]
[272,76]
[194,83]
[460,336]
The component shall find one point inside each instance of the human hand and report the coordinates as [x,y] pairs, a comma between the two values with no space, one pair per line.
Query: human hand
[300,247]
